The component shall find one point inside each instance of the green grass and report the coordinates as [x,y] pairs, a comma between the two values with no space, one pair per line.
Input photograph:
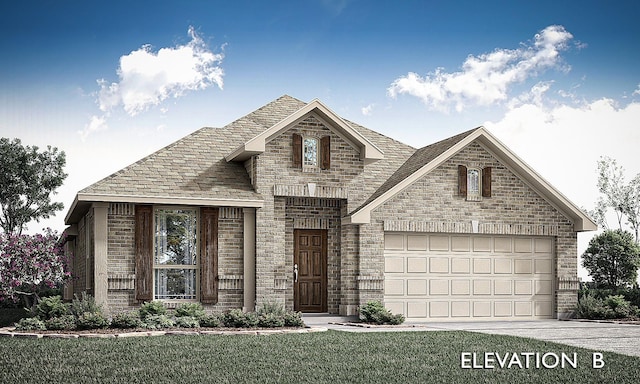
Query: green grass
[326,357]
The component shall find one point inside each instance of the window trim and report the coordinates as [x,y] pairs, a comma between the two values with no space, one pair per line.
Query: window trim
[306,164]
[196,245]
[474,194]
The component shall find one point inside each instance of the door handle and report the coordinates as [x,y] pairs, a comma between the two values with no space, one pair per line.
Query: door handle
[295,273]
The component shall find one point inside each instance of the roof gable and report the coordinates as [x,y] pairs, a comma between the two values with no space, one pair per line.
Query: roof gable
[426,159]
[369,152]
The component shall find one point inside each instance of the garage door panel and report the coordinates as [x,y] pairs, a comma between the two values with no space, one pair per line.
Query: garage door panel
[439,309]
[439,265]
[481,265]
[466,277]
[460,287]
[460,265]
[417,287]
[394,264]
[417,309]
[460,309]
[417,264]
[394,287]
[438,287]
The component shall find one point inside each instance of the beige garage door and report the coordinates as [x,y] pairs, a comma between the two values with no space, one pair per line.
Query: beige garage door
[469,277]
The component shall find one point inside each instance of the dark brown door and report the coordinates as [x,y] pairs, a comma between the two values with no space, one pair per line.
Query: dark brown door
[310,270]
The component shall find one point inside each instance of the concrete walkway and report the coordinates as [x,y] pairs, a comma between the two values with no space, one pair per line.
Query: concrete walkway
[619,338]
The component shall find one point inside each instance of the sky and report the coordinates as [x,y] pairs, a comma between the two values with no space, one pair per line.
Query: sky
[109,82]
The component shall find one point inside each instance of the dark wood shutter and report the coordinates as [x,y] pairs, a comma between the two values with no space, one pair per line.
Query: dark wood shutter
[462,181]
[486,182]
[297,151]
[325,152]
[144,252]
[209,255]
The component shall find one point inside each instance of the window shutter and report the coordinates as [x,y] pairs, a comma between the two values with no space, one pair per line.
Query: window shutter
[462,181]
[325,152]
[297,151]
[486,182]
[144,252]
[209,255]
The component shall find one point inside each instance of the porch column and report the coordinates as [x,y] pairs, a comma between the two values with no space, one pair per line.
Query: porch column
[100,253]
[249,259]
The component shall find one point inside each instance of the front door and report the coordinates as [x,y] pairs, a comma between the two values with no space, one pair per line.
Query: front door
[310,270]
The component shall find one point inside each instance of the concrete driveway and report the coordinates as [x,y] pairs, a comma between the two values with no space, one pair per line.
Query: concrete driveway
[619,338]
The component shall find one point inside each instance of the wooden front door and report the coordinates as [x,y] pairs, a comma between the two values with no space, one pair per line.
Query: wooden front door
[310,270]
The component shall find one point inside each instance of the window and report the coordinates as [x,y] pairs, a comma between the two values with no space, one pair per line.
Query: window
[310,152]
[175,261]
[473,184]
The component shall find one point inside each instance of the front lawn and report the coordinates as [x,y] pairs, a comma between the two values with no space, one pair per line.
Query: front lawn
[329,357]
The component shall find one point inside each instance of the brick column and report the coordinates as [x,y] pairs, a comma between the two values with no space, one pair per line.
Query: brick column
[249,259]
[100,281]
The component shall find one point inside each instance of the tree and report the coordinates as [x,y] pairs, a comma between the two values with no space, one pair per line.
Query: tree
[27,180]
[623,198]
[30,264]
[612,259]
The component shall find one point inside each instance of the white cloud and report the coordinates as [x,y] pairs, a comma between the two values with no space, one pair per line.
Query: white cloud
[637,91]
[486,79]
[367,110]
[95,124]
[147,78]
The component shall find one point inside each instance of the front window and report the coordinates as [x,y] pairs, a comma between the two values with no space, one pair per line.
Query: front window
[175,261]
[310,152]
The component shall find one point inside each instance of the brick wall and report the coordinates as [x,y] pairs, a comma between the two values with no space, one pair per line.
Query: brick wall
[514,208]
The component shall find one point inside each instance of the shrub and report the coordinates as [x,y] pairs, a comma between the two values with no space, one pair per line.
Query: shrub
[30,324]
[374,312]
[293,319]
[211,321]
[92,320]
[194,310]
[590,306]
[612,259]
[49,307]
[272,308]
[270,320]
[152,308]
[187,322]
[235,318]
[62,323]
[157,322]
[84,304]
[127,320]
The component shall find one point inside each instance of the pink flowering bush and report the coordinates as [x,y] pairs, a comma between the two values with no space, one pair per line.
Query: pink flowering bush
[31,263]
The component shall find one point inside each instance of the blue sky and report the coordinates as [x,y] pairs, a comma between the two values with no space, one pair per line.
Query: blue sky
[105,81]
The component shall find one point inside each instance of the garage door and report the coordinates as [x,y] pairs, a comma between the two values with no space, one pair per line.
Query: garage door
[468,277]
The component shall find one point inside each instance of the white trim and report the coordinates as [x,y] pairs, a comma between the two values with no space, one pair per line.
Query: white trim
[169,200]
[581,221]
[369,152]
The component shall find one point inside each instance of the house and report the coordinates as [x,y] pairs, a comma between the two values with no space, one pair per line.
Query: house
[294,204]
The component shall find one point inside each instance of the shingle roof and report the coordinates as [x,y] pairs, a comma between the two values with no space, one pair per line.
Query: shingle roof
[194,166]
[417,160]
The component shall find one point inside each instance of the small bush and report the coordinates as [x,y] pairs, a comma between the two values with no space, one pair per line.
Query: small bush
[187,322]
[235,318]
[92,320]
[30,324]
[590,306]
[84,304]
[270,320]
[293,319]
[61,323]
[194,310]
[152,308]
[49,307]
[158,322]
[374,312]
[272,308]
[127,320]
[211,321]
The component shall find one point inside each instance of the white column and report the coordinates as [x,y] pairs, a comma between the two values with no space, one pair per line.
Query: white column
[100,229]
[249,259]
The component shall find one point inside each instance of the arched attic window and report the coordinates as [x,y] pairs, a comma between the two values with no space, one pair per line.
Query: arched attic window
[474,182]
